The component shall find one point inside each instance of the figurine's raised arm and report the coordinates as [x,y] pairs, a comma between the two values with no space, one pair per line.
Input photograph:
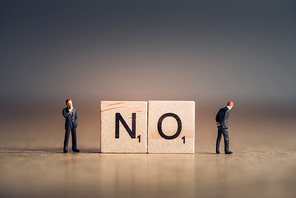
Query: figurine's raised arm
[65,112]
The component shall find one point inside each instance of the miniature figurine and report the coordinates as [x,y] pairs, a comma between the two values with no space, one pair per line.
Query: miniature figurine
[221,121]
[70,115]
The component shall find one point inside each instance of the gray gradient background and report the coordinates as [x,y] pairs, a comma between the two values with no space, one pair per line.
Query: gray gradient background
[239,50]
[206,51]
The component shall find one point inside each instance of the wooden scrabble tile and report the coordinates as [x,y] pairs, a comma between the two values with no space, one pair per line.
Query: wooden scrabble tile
[171,126]
[123,127]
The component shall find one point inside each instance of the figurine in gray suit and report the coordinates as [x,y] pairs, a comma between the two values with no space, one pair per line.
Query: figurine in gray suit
[221,121]
[70,115]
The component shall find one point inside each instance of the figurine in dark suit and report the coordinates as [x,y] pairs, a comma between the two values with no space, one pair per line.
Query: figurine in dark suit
[221,120]
[70,115]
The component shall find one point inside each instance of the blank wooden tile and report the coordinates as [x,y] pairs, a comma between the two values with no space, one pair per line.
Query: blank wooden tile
[171,126]
[130,119]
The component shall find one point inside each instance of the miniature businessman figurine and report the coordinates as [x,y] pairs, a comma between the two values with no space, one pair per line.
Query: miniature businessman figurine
[70,115]
[221,120]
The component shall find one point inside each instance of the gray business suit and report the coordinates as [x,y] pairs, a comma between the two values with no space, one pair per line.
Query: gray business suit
[70,126]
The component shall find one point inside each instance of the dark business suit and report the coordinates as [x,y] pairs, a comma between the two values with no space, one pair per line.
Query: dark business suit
[70,125]
[221,118]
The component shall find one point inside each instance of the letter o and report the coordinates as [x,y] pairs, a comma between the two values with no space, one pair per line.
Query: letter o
[159,126]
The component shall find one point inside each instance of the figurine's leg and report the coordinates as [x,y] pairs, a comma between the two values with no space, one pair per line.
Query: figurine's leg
[218,141]
[74,141]
[67,134]
[226,140]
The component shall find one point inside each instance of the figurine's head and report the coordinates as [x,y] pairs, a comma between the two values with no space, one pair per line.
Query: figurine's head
[69,103]
[230,105]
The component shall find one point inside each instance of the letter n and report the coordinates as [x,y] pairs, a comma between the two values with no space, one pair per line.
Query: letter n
[132,132]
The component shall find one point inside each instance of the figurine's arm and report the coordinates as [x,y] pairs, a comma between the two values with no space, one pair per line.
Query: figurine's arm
[75,119]
[65,113]
[76,115]
[224,115]
[218,118]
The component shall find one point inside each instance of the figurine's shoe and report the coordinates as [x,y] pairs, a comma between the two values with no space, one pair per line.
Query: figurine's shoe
[65,151]
[217,152]
[228,152]
[76,150]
